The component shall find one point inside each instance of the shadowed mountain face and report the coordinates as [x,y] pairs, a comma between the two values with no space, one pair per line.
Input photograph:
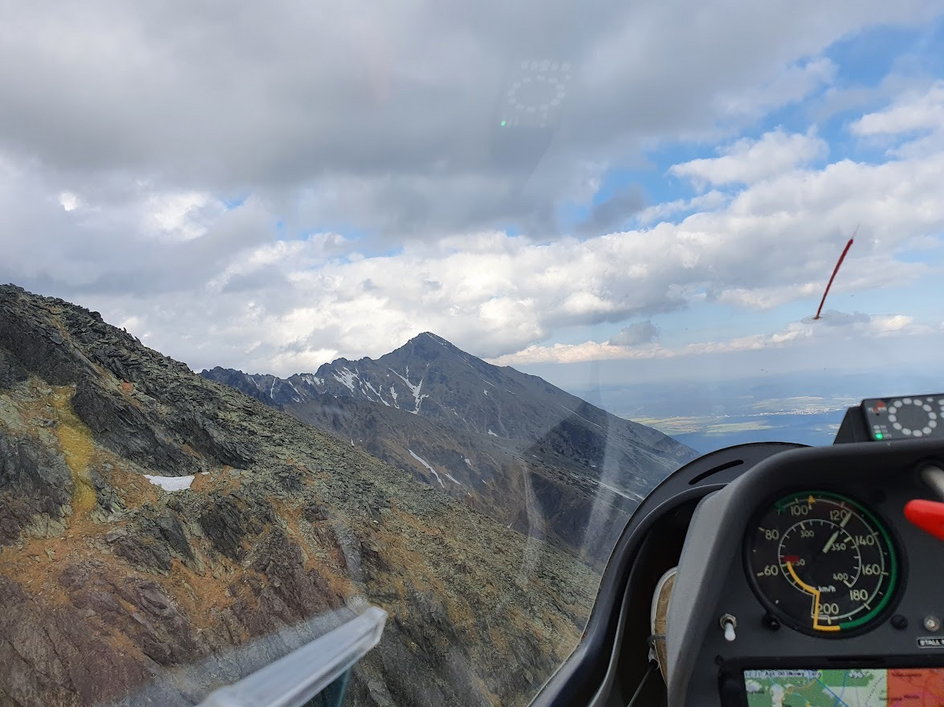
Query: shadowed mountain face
[512,445]
[115,589]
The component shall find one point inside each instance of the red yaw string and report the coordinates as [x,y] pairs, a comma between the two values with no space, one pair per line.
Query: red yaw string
[833,276]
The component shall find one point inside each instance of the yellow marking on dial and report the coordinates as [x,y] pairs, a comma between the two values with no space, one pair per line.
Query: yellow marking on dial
[816,594]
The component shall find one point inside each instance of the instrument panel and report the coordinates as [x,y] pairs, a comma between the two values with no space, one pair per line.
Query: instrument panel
[805,571]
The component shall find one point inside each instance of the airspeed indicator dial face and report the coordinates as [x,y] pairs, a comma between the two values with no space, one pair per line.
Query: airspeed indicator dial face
[821,563]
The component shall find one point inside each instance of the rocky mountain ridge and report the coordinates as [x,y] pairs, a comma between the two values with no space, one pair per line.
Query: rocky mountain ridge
[452,386]
[509,444]
[117,590]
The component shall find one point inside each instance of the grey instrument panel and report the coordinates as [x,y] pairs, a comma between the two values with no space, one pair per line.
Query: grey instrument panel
[704,667]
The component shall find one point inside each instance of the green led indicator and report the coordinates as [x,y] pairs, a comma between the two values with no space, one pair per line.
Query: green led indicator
[879,435]
[503,123]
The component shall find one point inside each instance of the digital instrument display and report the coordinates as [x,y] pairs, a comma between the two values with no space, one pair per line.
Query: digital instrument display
[905,417]
[872,687]
[822,563]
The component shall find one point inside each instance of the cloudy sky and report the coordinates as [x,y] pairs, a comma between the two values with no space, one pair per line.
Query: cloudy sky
[636,189]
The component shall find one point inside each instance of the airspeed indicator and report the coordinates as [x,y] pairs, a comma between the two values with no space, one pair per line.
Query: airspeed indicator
[821,563]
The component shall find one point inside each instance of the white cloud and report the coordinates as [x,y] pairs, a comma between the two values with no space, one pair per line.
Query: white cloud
[576,353]
[384,133]
[180,215]
[832,325]
[635,334]
[769,297]
[792,84]
[69,201]
[703,202]
[385,115]
[235,296]
[911,126]
[748,161]
[915,111]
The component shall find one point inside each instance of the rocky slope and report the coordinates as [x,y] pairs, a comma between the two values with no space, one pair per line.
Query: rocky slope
[509,444]
[113,589]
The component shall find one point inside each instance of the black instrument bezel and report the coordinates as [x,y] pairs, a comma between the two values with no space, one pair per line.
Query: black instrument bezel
[897,548]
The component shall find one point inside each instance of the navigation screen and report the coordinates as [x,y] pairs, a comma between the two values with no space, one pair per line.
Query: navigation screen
[855,687]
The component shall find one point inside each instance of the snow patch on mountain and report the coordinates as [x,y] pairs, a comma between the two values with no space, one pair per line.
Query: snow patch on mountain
[377,396]
[414,388]
[427,465]
[171,483]
[434,472]
[452,478]
[312,380]
[621,492]
[346,378]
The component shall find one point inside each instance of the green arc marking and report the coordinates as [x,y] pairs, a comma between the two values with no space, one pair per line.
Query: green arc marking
[871,517]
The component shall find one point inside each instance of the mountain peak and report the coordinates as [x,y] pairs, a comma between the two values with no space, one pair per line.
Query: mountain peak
[470,429]
[424,348]
[430,377]
[428,337]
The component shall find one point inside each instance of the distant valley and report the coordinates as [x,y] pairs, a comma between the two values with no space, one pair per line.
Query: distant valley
[708,413]
[813,428]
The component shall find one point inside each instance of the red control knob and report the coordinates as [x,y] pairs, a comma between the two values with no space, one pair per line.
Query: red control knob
[927,515]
